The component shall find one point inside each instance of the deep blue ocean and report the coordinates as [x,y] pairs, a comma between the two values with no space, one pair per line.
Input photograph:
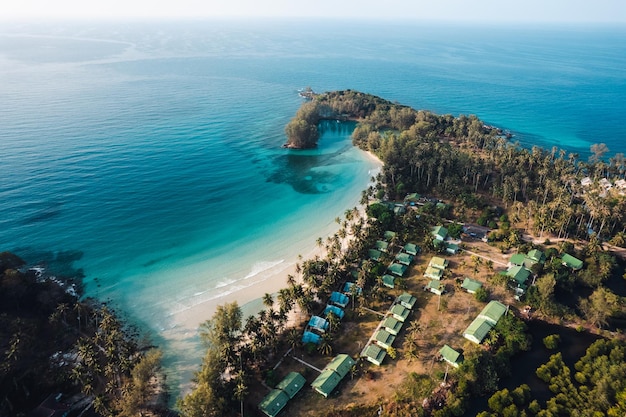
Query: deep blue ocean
[147,154]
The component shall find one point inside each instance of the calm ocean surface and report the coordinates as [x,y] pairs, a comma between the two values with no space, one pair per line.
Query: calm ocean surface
[148,154]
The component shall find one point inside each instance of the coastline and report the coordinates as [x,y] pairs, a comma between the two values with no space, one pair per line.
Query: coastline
[181,335]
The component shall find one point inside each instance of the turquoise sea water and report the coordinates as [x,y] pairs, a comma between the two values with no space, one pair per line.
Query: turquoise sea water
[148,154]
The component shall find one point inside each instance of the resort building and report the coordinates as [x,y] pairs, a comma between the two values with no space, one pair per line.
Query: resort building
[485,321]
[397,269]
[407,300]
[382,246]
[332,374]
[435,286]
[433,273]
[374,254]
[471,285]
[335,310]
[571,262]
[493,311]
[389,281]
[404,258]
[286,389]
[399,312]
[450,355]
[452,248]
[518,273]
[389,235]
[440,233]
[384,339]
[411,249]
[318,323]
[439,263]
[374,354]
[339,299]
[310,337]
[350,288]
[392,325]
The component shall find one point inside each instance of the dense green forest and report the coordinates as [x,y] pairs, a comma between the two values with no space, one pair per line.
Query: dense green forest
[53,344]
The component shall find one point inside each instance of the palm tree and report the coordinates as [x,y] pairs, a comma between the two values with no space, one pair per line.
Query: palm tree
[293,339]
[325,347]
[268,300]
[333,320]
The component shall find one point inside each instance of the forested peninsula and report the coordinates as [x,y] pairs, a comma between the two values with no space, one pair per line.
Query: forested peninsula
[478,277]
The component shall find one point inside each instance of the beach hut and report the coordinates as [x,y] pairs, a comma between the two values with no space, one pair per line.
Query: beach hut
[374,354]
[450,355]
[493,311]
[335,310]
[452,248]
[274,402]
[519,274]
[435,286]
[310,337]
[439,263]
[571,262]
[389,281]
[433,273]
[382,246]
[411,249]
[397,269]
[404,258]
[389,235]
[517,259]
[291,384]
[439,232]
[384,339]
[318,323]
[477,330]
[339,299]
[537,255]
[374,254]
[348,288]
[407,300]
[392,325]
[326,382]
[341,364]
[399,312]
[471,285]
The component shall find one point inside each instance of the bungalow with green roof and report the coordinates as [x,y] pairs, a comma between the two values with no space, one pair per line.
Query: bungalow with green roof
[292,384]
[326,382]
[397,269]
[435,286]
[412,198]
[404,258]
[437,262]
[389,235]
[471,285]
[382,246]
[571,262]
[537,255]
[399,312]
[439,232]
[493,311]
[374,254]
[374,354]
[407,300]
[341,364]
[332,374]
[433,273]
[392,325]
[389,281]
[411,249]
[274,402]
[450,355]
[477,330]
[517,259]
[384,339]
[519,274]
[452,248]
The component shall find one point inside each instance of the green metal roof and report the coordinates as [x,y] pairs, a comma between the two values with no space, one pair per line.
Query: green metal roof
[389,281]
[440,232]
[374,354]
[450,355]
[374,254]
[411,249]
[292,384]
[400,312]
[389,235]
[518,259]
[536,255]
[435,286]
[274,402]
[404,258]
[382,245]
[518,273]
[384,338]
[397,269]
[341,364]
[571,262]
[407,300]
[493,311]
[477,330]
[326,382]
[471,285]
[432,272]
[392,325]
[438,262]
